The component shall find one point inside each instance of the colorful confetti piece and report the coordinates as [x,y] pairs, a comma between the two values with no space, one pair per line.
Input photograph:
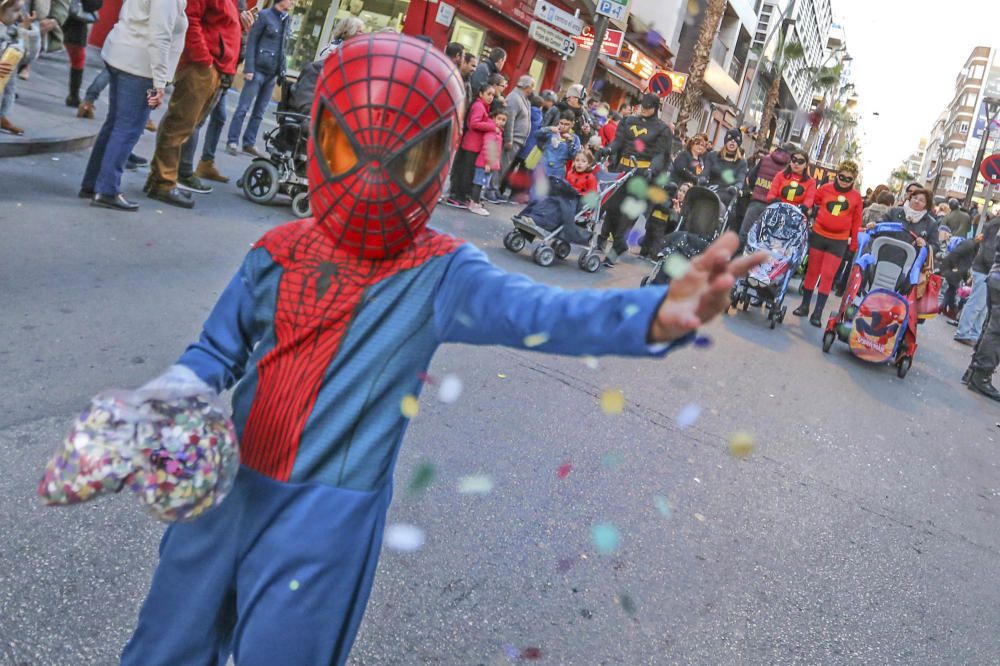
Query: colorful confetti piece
[404,538]
[688,415]
[676,266]
[741,444]
[423,477]
[475,484]
[630,310]
[700,518]
[564,470]
[612,460]
[294,585]
[612,402]
[605,538]
[632,208]
[637,187]
[450,389]
[702,341]
[657,196]
[409,406]
[531,654]
[633,237]
[536,339]
[591,362]
[662,505]
[501,375]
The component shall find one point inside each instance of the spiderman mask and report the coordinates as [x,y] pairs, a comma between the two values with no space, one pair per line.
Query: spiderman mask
[385,123]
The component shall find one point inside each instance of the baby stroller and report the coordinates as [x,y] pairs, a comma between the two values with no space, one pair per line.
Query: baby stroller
[782,232]
[702,219]
[559,221]
[878,315]
[283,170]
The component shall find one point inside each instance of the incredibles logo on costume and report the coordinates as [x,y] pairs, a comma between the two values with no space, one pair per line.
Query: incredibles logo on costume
[793,191]
[839,206]
[879,326]
[639,131]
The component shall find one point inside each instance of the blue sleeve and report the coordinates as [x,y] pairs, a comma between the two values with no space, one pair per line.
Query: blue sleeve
[250,53]
[477,303]
[220,356]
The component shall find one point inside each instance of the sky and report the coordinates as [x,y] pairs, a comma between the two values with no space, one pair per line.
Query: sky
[906,57]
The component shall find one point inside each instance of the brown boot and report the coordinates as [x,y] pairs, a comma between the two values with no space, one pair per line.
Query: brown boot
[150,125]
[85,110]
[8,126]
[206,169]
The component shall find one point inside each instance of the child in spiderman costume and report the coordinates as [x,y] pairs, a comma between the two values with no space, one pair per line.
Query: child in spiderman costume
[325,328]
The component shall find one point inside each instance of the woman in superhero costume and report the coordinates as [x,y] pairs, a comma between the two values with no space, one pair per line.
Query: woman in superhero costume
[326,327]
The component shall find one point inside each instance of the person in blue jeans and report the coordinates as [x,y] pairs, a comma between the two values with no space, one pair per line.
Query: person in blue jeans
[970,324]
[86,110]
[264,65]
[188,177]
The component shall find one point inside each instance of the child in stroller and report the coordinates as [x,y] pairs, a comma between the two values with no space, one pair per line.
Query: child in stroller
[878,314]
[782,232]
[282,170]
[702,219]
[567,215]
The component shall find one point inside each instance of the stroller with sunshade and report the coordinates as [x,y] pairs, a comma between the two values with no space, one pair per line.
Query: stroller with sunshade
[703,217]
[878,315]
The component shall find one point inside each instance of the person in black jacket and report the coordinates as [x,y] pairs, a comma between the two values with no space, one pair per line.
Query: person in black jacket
[970,325]
[955,269]
[75,29]
[690,164]
[584,126]
[726,169]
[642,142]
[979,375]
[487,67]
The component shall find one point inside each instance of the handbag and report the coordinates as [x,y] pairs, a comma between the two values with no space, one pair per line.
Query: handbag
[927,304]
[78,13]
[533,158]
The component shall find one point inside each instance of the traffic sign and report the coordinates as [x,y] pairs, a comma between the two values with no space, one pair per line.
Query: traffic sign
[616,10]
[660,84]
[990,169]
[559,18]
[551,38]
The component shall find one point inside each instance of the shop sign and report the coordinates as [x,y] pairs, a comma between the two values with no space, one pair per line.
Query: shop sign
[559,18]
[679,80]
[519,11]
[611,46]
[551,38]
[640,65]
[616,10]
[445,14]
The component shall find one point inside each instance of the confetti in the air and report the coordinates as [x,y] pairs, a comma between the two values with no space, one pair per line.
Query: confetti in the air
[294,585]
[590,200]
[663,179]
[633,237]
[702,341]
[676,266]
[464,319]
[637,187]
[501,375]
[728,176]
[662,505]
[688,415]
[404,538]
[409,406]
[536,339]
[475,484]
[657,196]
[423,477]
[632,208]
[741,444]
[700,518]
[591,362]
[450,389]
[564,470]
[605,538]
[612,402]
[531,654]
[630,310]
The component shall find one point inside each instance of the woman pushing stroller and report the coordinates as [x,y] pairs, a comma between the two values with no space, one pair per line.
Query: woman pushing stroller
[838,220]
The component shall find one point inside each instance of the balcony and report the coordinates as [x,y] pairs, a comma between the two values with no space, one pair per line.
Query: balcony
[736,69]
[720,86]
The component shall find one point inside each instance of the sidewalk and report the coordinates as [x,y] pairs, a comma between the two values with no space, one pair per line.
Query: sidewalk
[49,125]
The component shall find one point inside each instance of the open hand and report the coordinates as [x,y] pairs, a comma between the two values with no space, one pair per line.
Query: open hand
[702,293]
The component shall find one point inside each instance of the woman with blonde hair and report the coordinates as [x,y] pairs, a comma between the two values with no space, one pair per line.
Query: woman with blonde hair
[344,29]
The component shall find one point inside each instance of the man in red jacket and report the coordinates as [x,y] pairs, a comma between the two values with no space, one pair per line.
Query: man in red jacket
[211,51]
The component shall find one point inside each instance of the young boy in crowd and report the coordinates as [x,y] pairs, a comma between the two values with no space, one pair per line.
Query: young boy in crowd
[488,162]
[559,145]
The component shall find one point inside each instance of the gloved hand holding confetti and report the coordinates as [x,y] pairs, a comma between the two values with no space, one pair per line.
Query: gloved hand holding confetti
[170,441]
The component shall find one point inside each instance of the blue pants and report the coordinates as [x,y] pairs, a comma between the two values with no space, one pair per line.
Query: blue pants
[128,112]
[970,325]
[279,573]
[256,92]
[97,86]
[216,121]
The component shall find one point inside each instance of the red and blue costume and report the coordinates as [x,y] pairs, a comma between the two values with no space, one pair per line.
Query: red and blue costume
[327,326]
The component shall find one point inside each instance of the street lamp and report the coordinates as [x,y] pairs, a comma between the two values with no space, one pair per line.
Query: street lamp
[992,111]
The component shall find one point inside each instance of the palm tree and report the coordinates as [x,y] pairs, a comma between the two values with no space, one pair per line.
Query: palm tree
[699,63]
[786,53]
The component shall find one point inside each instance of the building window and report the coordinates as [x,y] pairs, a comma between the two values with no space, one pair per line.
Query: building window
[976,73]
[537,71]
[469,35]
[963,128]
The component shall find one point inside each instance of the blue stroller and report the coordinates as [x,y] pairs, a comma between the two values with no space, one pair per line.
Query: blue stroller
[782,232]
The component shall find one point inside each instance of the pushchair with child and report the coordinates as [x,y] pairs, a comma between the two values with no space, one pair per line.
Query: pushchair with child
[283,169]
[782,232]
[878,314]
[703,217]
[562,219]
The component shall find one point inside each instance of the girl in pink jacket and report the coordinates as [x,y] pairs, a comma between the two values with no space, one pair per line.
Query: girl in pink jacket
[488,161]
[478,124]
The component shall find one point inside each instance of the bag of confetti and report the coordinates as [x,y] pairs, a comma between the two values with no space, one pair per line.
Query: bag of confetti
[170,441]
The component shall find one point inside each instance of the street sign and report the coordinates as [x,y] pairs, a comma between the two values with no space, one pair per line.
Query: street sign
[660,84]
[611,46]
[551,38]
[991,169]
[678,80]
[616,10]
[559,18]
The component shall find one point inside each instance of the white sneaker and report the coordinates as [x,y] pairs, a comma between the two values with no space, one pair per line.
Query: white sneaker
[479,209]
[233,149]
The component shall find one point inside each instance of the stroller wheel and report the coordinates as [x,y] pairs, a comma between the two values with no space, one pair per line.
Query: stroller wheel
[903,366]
[544,255]
[300,204]
[828,339]
[514,241]
[260,181]
[562,248]
[590,262]
[772,316]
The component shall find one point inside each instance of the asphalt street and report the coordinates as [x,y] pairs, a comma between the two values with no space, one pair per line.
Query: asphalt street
[864,527]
